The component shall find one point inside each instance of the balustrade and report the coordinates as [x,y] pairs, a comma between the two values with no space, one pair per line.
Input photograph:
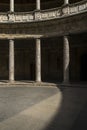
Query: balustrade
[43,14]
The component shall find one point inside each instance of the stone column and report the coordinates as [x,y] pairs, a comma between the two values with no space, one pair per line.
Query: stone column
[66,60]
[11,60]
[38,60]
[11,5]
[66,2]
[37,4]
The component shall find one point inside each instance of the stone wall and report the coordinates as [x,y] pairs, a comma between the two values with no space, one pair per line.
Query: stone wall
[56,27]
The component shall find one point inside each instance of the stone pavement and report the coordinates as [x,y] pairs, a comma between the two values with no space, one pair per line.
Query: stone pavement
[43,108]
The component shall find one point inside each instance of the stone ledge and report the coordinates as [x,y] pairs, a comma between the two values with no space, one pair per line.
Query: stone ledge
[43,84]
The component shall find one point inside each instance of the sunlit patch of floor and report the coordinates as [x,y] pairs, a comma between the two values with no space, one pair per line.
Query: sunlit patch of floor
[43,108]
[35,117]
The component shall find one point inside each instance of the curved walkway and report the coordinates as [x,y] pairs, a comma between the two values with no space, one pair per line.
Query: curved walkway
[43,108]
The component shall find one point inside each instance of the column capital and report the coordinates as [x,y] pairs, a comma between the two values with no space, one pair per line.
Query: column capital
[38,38]
[11,39]
[66,39]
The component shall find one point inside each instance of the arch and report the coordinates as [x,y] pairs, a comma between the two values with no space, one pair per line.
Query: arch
[74,1]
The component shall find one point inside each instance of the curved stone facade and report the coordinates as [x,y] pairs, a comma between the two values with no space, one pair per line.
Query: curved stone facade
[42,15]
[47,38]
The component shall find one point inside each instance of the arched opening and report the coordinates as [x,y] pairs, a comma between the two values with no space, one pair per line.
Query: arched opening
[25,59]
[4,60]
[74,1]
[48,4]
[52,59]
[83,69]
[29,5]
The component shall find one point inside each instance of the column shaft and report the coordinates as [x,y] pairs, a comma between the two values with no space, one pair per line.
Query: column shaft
[37,4]
[11,5]
[66,2]
[11,60]
[38,60]
[66,60]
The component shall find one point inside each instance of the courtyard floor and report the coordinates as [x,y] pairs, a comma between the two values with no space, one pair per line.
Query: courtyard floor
[43,108]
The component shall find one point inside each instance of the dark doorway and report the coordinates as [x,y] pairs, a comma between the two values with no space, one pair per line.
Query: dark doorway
[32,71]
[83,73]
[24,59]
[4,60]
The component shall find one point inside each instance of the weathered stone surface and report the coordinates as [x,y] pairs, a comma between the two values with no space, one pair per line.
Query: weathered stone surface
[56,27]
[66,59]
[38,15]
[38,60]
[11,60]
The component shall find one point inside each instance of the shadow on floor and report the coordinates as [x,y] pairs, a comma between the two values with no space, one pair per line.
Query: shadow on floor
[73,112]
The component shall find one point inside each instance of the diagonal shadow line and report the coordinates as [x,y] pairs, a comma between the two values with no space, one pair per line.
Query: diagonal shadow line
[72,113]
[15,100]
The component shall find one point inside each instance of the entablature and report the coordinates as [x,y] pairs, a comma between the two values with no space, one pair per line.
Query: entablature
[55,27]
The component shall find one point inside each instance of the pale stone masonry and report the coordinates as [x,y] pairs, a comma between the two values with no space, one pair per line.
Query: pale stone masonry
[38,60]
[66,59]
[11,60]
[34,28]
[66,2]
[11,5]
[67,9]
[37,4]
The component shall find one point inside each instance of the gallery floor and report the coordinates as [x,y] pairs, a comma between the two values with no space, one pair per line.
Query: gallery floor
[43,108]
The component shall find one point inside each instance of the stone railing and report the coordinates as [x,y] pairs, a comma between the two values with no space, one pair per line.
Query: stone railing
[44,14]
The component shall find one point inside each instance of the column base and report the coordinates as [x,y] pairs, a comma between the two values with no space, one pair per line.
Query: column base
[37,10]
[65,82]
[38,82]
[10,12]
[65,5]
[11,81]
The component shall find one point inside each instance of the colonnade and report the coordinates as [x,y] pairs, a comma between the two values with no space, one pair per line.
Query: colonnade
[38,52]
[38,2]
[66,59]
